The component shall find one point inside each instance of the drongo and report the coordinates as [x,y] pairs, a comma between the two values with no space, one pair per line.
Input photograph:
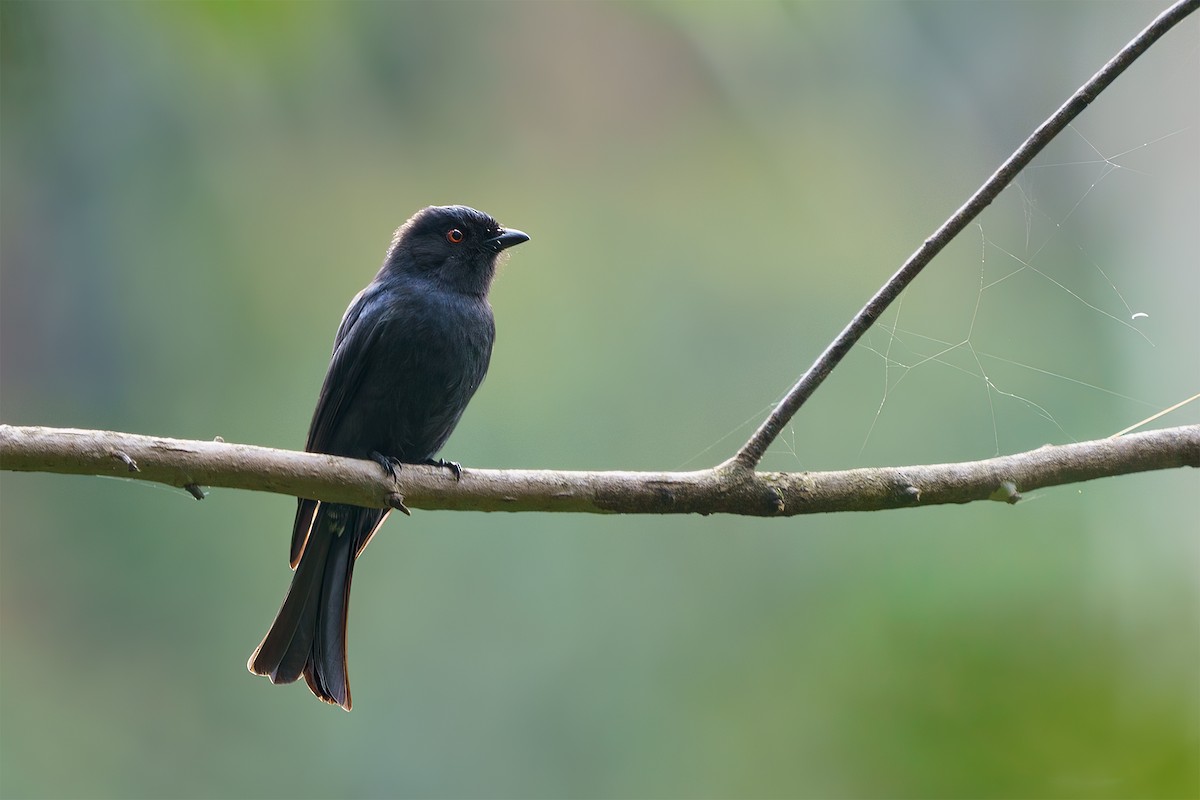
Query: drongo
[412,349]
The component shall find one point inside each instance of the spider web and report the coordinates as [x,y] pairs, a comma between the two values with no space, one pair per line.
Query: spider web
[1027,295]
[1047,270]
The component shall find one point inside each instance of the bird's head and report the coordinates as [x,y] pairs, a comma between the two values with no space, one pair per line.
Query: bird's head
[455,245]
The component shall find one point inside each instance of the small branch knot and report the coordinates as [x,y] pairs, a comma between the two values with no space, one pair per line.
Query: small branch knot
[396,500]
[1006,492]
[124,458]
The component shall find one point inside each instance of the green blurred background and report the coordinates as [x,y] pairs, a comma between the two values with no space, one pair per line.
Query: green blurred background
[191,193]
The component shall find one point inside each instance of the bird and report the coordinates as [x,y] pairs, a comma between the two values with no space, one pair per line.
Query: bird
[410,352]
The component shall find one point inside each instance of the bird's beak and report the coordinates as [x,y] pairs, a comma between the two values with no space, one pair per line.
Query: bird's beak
[507,238]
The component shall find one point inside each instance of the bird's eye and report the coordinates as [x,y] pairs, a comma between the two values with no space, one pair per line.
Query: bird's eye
[454,236]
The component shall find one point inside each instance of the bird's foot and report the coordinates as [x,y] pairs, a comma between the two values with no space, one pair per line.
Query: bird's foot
[391,465]
[453,466]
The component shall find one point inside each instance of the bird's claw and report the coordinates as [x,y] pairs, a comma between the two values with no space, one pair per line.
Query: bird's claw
[453,466]
[391,465]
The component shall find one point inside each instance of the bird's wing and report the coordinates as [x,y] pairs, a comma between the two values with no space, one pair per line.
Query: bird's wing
[356,338]
[352,346]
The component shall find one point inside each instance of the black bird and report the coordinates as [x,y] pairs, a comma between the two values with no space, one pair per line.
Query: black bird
[412,349]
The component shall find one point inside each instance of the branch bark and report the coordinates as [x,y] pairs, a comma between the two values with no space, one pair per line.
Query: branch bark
[720,490]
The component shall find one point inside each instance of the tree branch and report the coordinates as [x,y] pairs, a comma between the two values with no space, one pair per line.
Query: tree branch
[732,487]
[752,451]
[720,490]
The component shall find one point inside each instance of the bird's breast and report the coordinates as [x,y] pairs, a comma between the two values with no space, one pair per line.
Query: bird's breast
[431,359]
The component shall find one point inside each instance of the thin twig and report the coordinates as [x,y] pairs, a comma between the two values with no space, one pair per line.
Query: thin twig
[183,463]
[751,453]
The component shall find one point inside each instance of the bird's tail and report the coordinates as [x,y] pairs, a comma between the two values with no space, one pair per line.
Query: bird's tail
[308,636]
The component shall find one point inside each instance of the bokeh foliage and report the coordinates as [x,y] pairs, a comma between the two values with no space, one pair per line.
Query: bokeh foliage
[191,192]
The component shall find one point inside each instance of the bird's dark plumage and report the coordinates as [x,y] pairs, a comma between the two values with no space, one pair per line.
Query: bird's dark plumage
[412,349]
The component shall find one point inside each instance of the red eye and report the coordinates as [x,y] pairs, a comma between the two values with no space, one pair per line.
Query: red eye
[454,236]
